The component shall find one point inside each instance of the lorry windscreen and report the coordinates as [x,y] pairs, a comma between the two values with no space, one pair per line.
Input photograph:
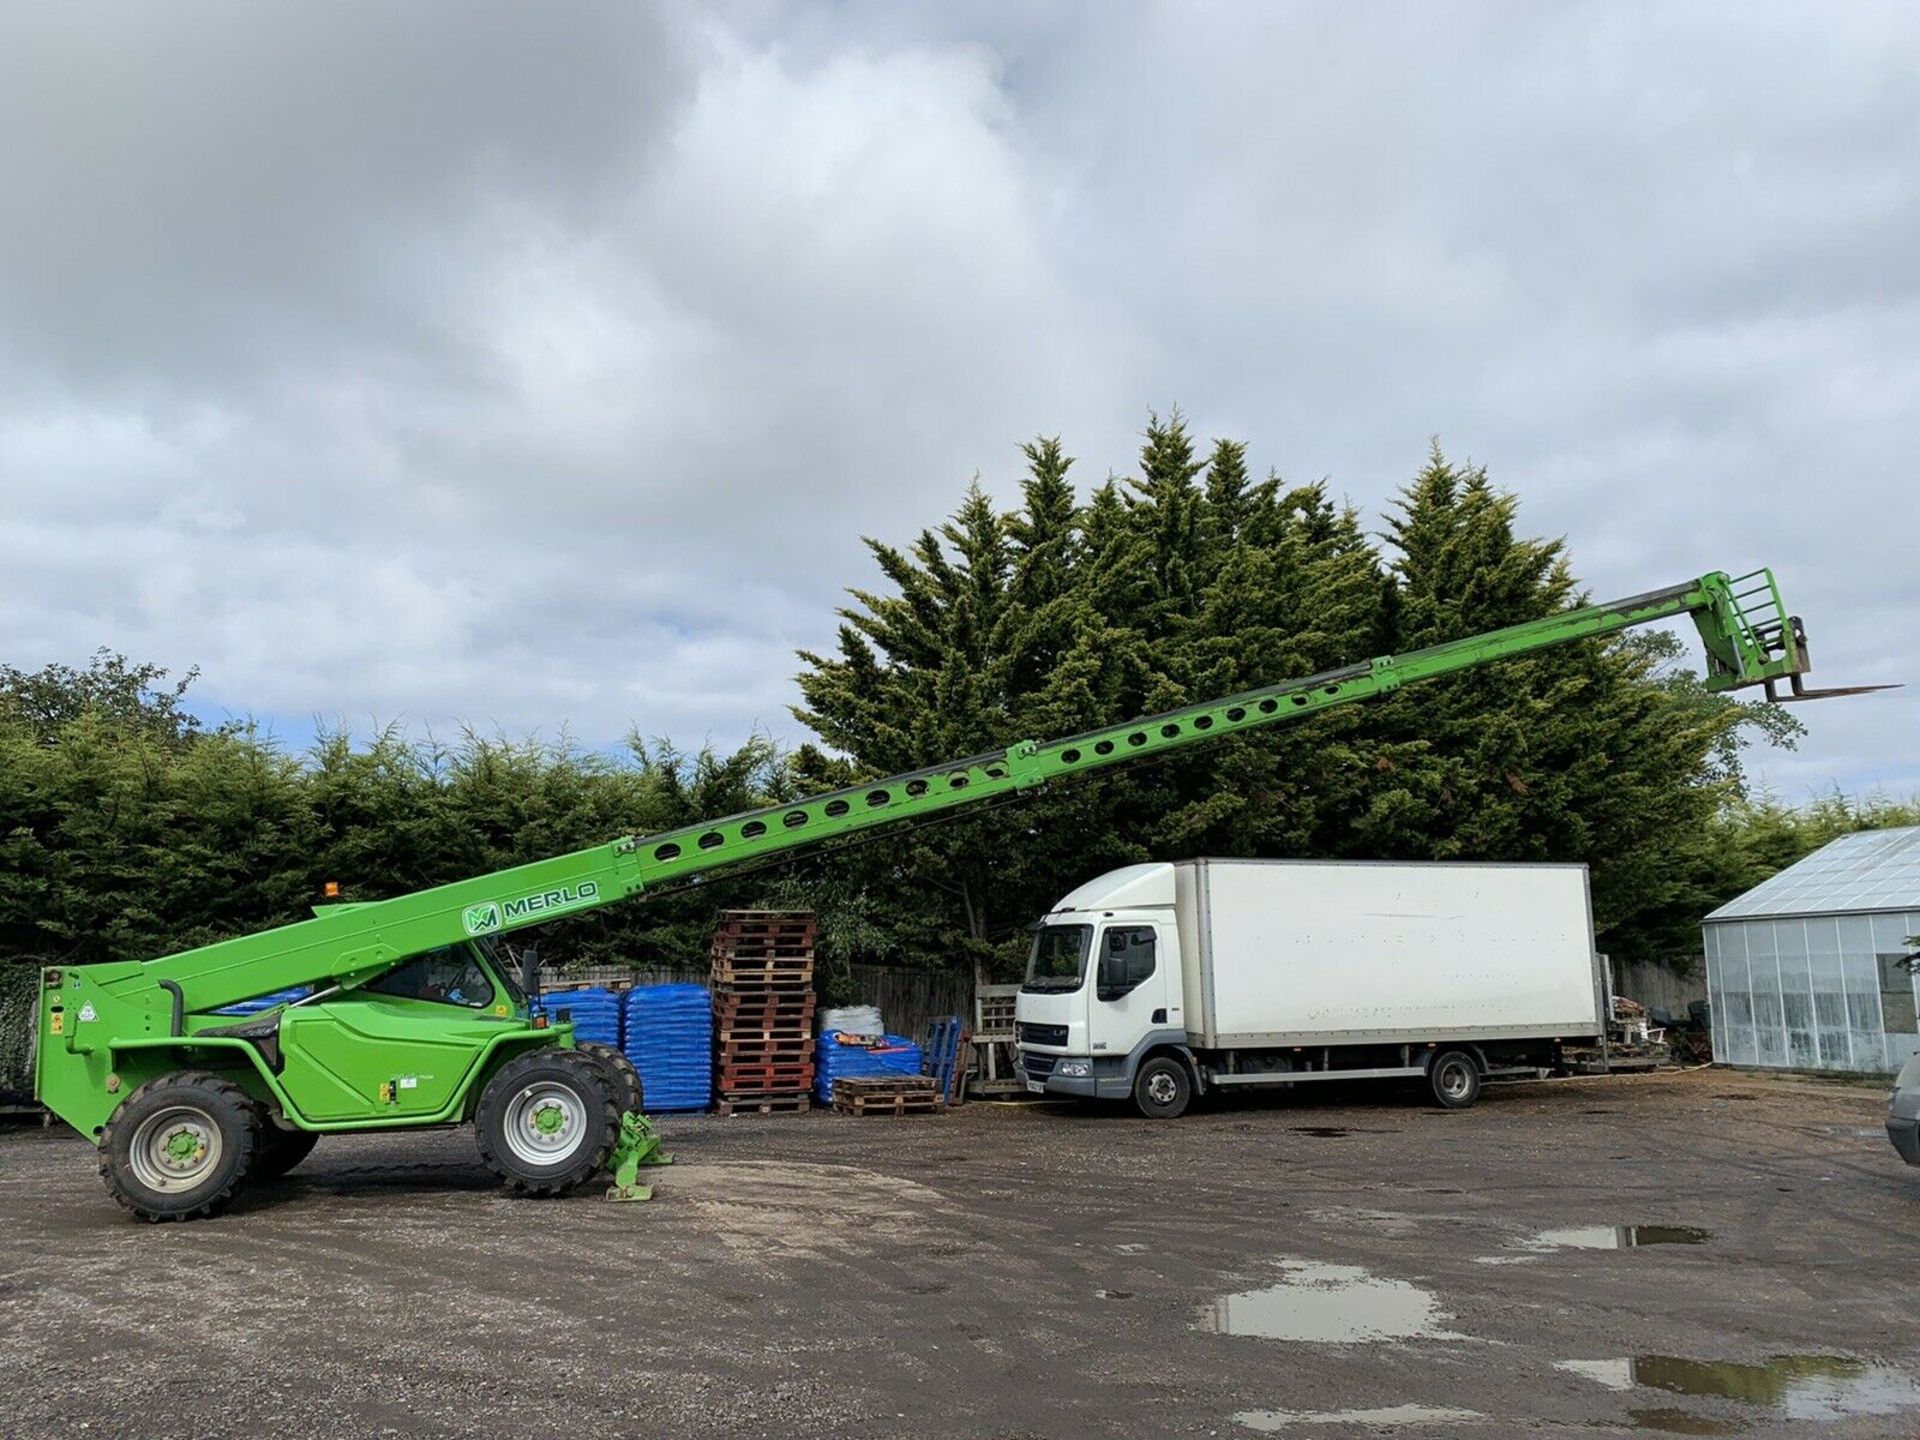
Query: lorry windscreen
[1059,957]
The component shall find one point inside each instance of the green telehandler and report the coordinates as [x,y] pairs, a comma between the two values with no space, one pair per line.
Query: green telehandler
[417,1019]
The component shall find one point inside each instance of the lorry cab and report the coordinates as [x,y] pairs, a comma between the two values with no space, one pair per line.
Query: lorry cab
[1102,992]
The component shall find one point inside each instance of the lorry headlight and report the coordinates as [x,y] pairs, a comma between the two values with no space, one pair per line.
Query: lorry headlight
[1074,1069]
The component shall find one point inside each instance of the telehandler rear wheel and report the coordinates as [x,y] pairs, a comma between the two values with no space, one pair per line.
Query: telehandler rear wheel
[622,1078]
[547,1121]
[180,1146]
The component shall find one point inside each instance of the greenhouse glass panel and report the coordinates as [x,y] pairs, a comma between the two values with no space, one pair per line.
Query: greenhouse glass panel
[1796,993]
[1740,1043]
[1864,1029]
[1716,988]
[1763,966]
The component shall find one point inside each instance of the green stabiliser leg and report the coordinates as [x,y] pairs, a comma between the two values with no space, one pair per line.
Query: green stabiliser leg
[638,1145]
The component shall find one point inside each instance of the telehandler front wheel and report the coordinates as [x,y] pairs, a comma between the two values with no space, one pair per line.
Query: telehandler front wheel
[547,1121]
[620,1075]
[180,1146]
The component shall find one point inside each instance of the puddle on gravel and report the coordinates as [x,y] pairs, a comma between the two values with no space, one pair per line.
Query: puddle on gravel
[1332,1305]
[1616,1237]
[1386,1415]
[1794,1387]
[1670,1421]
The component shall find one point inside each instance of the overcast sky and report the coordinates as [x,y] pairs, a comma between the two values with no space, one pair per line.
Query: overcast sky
[543,364]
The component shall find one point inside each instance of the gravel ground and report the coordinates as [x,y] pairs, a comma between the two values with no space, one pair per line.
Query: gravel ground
[1015,1271]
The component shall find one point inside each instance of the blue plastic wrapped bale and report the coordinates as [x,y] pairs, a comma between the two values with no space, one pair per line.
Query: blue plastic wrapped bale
[595,1011]
[834,1061]
[669,1038]
[266,1002]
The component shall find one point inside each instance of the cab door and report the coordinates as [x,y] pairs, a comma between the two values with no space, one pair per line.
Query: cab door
[1131,963]
[400,1048]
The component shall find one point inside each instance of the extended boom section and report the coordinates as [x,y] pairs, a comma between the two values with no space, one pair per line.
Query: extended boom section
[1747,635]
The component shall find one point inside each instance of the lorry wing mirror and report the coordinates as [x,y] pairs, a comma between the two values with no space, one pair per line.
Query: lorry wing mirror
[530,970]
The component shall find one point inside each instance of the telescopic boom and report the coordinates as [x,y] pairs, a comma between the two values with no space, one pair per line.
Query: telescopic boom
[1748,636]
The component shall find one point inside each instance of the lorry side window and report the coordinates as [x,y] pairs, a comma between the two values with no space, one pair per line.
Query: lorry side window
[1126,959]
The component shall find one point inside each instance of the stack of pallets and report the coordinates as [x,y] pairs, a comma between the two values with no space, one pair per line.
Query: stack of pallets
[762,1010]
[886,1095]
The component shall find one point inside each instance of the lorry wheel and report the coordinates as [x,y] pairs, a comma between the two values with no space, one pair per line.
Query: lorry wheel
[1162,1088]
[1454,1079]
[180,1146]
[281,1150]
[622,1079]
[547,1121]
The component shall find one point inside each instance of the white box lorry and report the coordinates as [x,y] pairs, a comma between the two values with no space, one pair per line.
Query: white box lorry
[1158,982]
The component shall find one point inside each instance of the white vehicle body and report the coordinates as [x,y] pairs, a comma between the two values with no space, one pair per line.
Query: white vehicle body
[1250,972]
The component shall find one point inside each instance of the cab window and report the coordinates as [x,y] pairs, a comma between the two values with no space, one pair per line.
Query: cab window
[450,976]
[1126,959]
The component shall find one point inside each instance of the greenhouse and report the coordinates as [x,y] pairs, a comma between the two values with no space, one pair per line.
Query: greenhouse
[1812,969]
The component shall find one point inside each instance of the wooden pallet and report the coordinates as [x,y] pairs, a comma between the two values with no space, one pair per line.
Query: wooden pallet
[732,1085]
[763,959]
[767,1064]
[781,1051]
[761,982]
[800,946]
[763,1035]
[763,1105]
[993,1007]
[736,922]
[886,1095]
[886,1104]
[736,1002]
[772,1020]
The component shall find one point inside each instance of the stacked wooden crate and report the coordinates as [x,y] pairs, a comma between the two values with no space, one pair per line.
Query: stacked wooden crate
[762,1010]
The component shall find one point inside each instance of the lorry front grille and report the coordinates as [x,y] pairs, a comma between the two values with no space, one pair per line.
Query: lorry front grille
[1043,1034]
[1038,1067]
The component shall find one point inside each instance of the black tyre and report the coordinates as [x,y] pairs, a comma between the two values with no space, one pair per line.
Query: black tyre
[281,1150]
[621,1077]
[180,1146]
[1163,1088]
[547,1121]
[1454,1080]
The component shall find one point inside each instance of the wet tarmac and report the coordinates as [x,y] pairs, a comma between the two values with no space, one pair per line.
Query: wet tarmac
[1010,1273]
